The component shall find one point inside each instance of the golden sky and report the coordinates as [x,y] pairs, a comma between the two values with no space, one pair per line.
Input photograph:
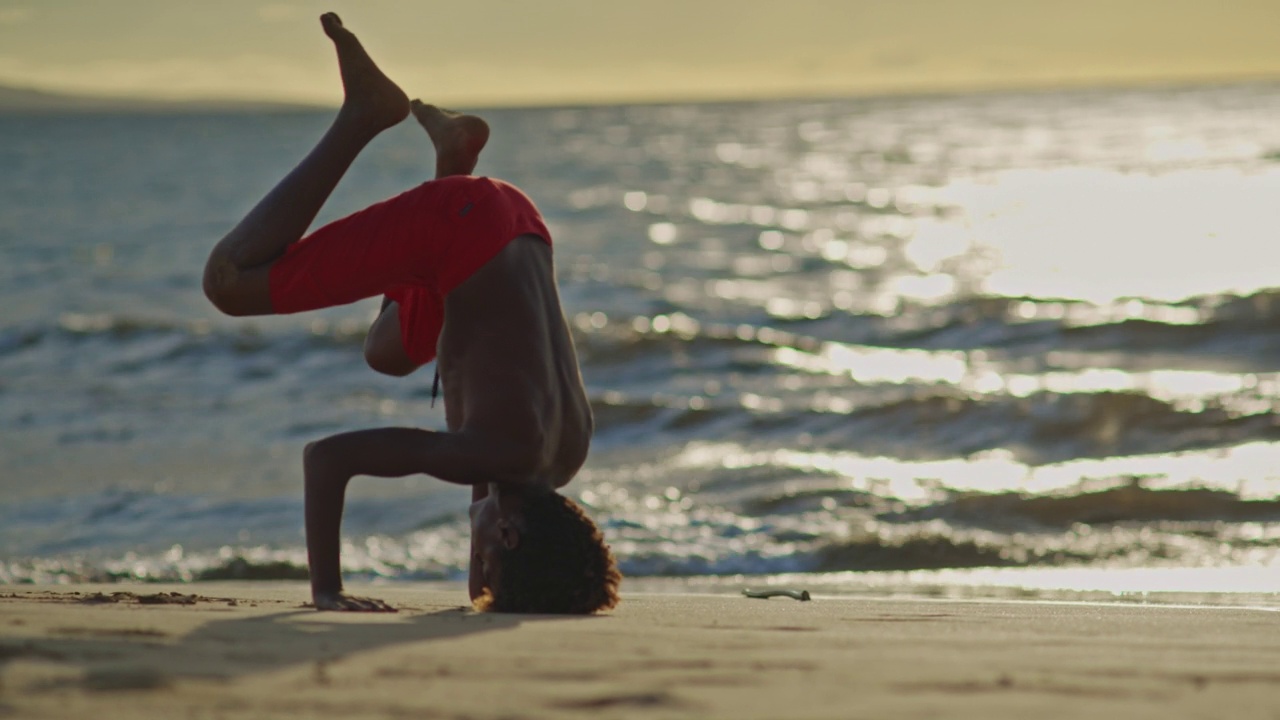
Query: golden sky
[501,52]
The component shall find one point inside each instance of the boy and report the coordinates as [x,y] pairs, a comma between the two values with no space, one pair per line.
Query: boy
[465,267]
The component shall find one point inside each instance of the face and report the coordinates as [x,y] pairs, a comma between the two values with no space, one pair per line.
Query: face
[492,531]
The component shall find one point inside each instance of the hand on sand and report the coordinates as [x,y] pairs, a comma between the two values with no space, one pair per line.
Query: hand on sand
[346,603]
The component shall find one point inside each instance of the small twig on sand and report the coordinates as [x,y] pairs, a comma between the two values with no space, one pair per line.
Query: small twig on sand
[802,595]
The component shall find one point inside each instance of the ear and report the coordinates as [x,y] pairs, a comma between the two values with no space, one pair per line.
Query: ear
[509,535]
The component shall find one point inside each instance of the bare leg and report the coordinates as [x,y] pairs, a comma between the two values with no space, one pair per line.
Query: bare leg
[235,277]
[458,138]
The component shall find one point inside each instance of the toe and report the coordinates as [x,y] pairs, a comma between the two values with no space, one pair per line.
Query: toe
[332,25]
[424,111]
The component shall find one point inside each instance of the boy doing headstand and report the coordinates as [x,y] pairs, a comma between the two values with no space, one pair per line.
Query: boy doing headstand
[464,265]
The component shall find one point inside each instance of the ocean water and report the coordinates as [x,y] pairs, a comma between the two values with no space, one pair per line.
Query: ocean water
[833,338]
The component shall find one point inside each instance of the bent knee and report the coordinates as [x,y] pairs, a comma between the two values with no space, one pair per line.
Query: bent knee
[384,350]
[387,363]
[221,299]
[237,292]
[220,286]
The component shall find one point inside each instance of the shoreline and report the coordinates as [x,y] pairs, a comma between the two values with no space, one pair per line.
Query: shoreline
[251,650]
[1234,586]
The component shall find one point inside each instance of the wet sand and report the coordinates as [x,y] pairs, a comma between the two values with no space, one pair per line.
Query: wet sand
[241,650]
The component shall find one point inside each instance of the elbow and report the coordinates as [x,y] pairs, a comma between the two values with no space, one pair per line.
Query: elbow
[322,463]
[312,459]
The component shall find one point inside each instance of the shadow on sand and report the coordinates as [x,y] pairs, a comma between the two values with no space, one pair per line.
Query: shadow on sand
[114,658]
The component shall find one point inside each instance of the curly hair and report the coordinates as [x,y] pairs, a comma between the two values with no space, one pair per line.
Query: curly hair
[561,565]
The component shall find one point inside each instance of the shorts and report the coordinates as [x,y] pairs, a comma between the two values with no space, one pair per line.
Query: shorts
[414,248]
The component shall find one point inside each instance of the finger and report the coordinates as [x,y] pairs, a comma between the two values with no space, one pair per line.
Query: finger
[360,604]
[376,605]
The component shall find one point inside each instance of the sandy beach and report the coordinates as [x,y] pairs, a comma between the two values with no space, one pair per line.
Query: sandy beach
[238,650]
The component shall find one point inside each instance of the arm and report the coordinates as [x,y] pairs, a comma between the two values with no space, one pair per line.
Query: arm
[329,464]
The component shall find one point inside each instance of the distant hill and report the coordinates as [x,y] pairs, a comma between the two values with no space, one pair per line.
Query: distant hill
[27,101]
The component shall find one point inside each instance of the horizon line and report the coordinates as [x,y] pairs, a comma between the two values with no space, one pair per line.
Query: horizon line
[120,102]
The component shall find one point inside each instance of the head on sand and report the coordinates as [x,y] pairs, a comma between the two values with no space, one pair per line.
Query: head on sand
[540,553]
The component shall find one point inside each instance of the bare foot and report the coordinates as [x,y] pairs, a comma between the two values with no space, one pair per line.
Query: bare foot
[372,99]
[458,138]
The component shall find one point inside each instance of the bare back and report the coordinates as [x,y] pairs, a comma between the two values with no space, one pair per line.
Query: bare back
[508,365]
